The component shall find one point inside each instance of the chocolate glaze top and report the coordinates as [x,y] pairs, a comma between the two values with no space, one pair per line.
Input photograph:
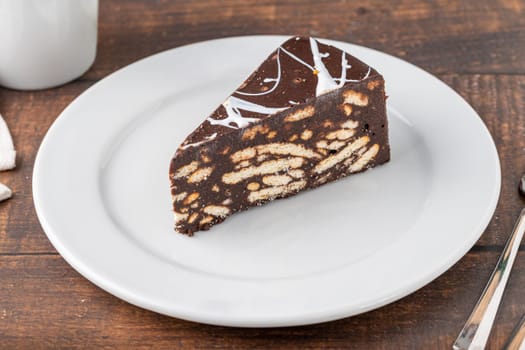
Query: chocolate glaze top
[300,69]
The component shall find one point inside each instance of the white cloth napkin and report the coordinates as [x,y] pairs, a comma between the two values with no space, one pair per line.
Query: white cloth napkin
[5,192]
[7,151]
[7,156]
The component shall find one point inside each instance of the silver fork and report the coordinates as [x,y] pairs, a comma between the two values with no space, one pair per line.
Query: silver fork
[475,333]
[517,338]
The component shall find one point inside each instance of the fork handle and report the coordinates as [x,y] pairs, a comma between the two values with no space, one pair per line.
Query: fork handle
[475,333]
[517,339]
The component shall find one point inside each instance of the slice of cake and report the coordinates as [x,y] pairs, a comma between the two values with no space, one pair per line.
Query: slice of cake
[310,114]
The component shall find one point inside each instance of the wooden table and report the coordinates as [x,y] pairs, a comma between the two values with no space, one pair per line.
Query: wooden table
[476,47]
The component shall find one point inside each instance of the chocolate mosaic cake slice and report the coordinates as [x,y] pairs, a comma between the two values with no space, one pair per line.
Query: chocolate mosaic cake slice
[310,114]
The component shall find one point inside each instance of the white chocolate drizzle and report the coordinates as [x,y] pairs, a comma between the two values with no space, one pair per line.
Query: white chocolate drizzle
[355,80]
[233,107]
[277,80]
[297,59]
[325,83]
[206,139]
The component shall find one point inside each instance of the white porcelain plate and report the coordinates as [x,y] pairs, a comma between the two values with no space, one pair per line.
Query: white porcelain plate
[101,191]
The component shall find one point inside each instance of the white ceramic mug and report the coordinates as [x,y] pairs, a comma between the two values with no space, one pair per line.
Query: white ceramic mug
[45,43]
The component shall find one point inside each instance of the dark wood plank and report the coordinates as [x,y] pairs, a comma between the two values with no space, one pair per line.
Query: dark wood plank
[498,99]
[475,47]
[442,36]
[46,304]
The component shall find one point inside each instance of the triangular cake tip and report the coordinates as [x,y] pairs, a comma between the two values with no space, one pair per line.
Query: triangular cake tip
[309,114]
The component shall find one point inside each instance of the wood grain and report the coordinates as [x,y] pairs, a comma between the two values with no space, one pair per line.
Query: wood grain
[468,36]
[46,304]
[475,47]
